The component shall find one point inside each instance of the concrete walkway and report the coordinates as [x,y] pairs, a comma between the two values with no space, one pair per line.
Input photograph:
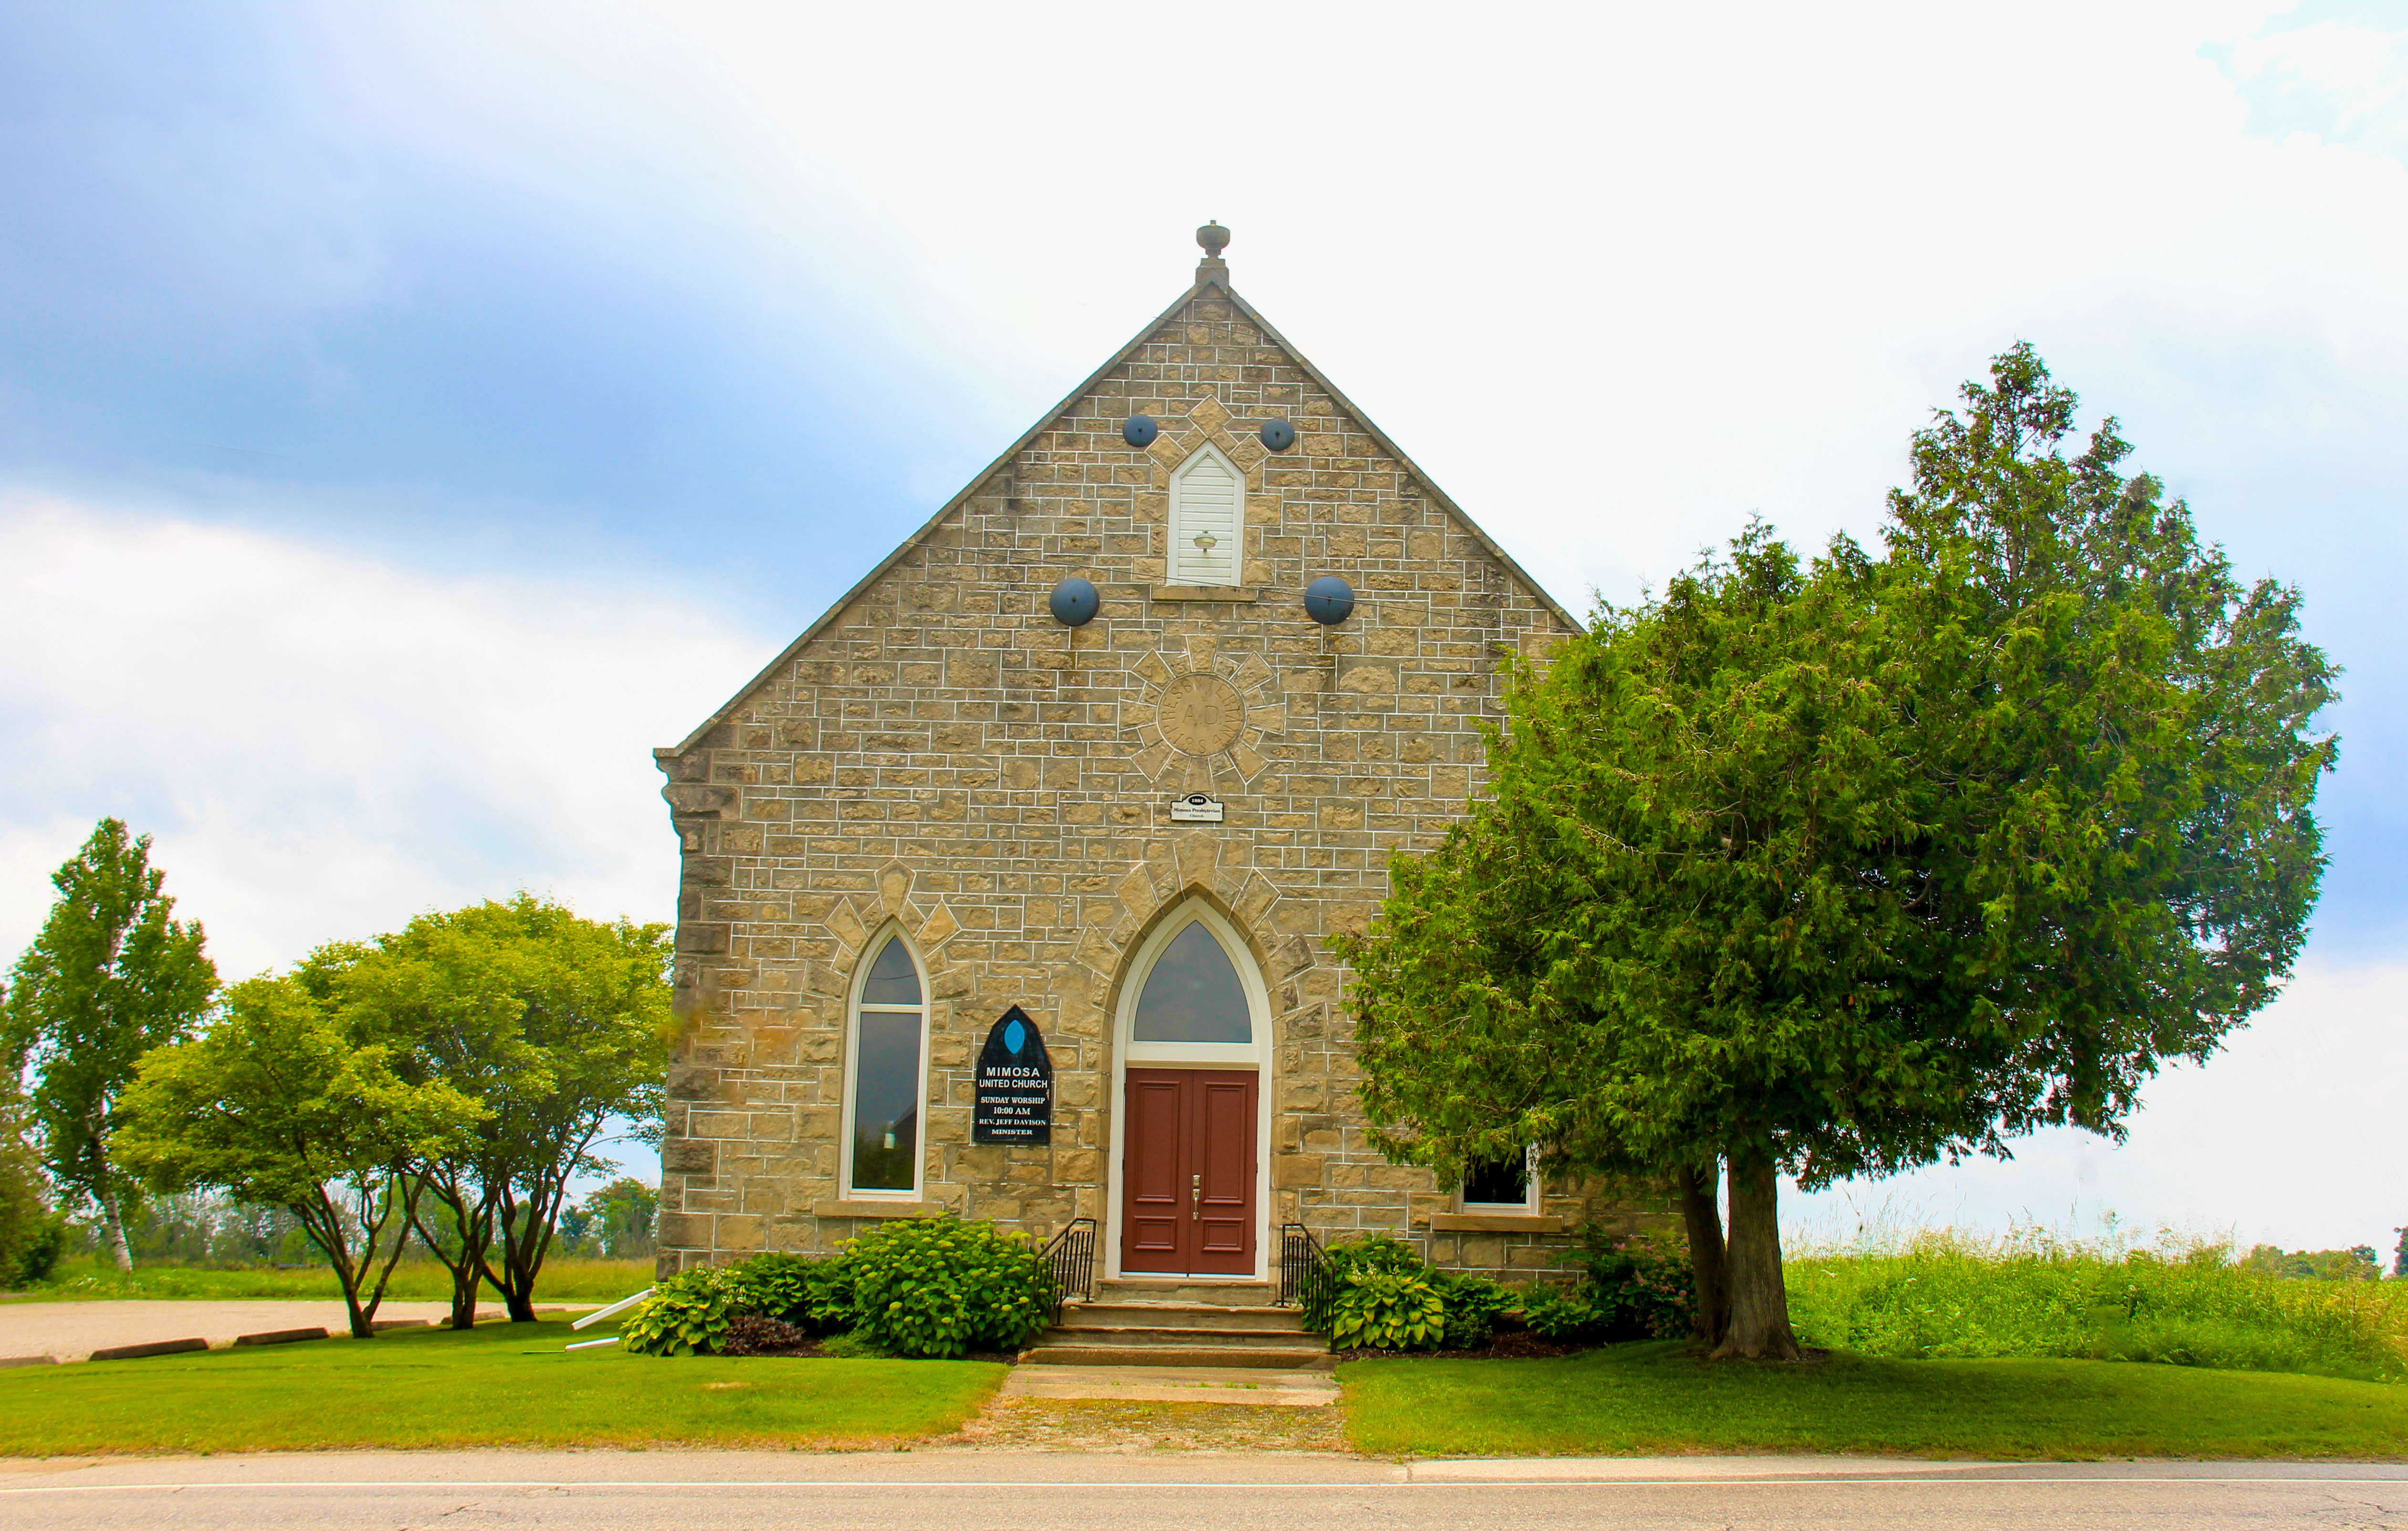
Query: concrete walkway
[1173,1384]
[71,1331]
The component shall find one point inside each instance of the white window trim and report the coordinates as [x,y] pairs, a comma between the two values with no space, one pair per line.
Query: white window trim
[1237,521]
[1255,1055]
[853,1008]
[1239,1055]
[1533,1193]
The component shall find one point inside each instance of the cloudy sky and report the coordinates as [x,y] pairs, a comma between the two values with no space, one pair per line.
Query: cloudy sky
[409,416]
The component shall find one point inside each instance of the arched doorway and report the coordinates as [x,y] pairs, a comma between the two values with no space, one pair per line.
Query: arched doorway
[1191,1139]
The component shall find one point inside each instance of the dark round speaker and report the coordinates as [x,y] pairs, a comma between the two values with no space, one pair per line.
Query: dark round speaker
[1278,435]
[1329,600]
[1140,431]
[1074,602]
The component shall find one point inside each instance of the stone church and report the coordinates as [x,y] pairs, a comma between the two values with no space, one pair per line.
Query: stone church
[1076,768]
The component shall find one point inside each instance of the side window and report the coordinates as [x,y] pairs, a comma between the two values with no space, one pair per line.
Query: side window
[1208,520]
[887,1084]
[1509,1185]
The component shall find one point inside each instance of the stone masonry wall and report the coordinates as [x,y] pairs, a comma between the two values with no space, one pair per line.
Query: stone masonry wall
[944,755]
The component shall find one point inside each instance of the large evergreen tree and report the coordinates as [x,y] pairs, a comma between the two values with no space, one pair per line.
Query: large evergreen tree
[111,976]
[1846,867]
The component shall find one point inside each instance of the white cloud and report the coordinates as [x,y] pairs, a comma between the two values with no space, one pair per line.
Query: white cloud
[2290,1136]
[1620,279]
[324,745]
[2340,79]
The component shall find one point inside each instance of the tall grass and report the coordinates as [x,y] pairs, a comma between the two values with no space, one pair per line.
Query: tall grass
[2181,1300]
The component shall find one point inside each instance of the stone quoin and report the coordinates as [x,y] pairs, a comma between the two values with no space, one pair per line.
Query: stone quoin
[945,800]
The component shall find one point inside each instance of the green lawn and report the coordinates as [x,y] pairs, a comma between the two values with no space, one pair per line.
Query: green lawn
[497,1385]
[419,1281]
[1651,1398]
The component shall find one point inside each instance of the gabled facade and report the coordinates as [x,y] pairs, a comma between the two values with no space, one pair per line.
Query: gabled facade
[941,803]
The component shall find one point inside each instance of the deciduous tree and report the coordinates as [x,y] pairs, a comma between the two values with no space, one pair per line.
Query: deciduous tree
[556,1023]
[111,976]
[280,1101]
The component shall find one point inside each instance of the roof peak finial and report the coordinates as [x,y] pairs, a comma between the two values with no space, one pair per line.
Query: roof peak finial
[1214,238]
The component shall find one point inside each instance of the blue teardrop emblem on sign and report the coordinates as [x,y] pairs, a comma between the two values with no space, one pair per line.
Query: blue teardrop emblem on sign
[1014,1036]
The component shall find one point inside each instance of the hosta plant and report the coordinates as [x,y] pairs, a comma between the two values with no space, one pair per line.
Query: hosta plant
[1386,1310]
[686,1314]
[1557,1314]
[1472,1304]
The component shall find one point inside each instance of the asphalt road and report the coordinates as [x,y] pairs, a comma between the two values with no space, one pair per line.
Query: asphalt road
[996,1491]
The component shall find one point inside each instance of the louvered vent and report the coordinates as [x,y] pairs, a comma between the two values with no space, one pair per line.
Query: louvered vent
[1206,521]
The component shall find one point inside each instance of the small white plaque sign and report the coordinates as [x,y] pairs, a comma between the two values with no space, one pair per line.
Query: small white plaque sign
[1196,808]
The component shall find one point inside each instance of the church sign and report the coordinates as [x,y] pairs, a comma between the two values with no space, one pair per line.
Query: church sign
[1014,1100]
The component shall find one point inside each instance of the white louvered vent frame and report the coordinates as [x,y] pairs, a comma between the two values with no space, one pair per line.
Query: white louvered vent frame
[1208,520]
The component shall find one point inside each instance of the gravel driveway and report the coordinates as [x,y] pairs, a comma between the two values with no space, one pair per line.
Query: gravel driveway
[70,1331]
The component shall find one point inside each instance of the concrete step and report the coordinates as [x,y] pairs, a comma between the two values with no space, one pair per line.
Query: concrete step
[1249,1340]
[1257,1385]
[1140,1315]
[1049,1352]
[1187,1289]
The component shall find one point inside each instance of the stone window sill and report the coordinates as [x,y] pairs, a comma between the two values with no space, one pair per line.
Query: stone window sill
[1205,592]
[876,1209]
[1531,1223]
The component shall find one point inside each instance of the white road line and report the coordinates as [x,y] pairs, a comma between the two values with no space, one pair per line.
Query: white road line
[448,1484]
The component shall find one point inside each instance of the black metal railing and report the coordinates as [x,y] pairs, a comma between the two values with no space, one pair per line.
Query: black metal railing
[1071,1252]
[1304,1272]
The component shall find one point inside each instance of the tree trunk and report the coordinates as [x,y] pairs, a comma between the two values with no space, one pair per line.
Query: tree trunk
[522,1232]
[1706,1259]
[322,1221]
[117,1245]
[474,1230]
[465,1283]
[519,1298]
[1760,1303]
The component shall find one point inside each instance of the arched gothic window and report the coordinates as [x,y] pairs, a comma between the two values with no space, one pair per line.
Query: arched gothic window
[1193,994]
[886,1074]
[1208,520]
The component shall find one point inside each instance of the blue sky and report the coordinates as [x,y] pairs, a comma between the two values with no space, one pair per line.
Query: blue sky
[410,415]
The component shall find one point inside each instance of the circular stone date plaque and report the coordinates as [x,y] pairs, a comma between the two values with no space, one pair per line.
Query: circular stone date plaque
[1201,714]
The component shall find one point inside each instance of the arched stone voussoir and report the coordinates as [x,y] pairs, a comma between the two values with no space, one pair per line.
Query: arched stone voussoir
[930,930]
[851,932]
[895,886]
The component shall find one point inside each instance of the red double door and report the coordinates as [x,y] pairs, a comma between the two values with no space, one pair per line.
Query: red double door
[1188,1196]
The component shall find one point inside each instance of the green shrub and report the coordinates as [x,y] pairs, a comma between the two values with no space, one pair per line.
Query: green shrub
[39,1248]
[686,1314]
[827,1304]
[1374,1251]
[1472,1303]
[813,1294]
[771,1284]
[1341,1262]
[1641,1285]
[1368,1292]
[942,1287]
[1562,1314]
[1377,1309]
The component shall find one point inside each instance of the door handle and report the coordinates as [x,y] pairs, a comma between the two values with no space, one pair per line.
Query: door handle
[1196,1195]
